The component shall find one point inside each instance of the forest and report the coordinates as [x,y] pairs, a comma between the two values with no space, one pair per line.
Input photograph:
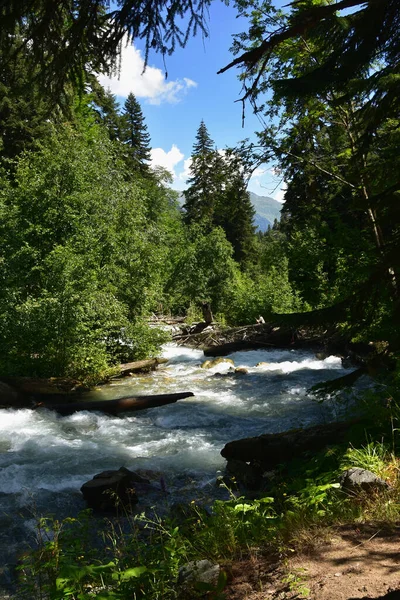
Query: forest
[94,240]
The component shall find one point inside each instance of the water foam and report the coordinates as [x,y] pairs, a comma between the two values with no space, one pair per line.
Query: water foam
[50,456]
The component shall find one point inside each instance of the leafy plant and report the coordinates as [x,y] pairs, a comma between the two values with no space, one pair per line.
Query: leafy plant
[296,580]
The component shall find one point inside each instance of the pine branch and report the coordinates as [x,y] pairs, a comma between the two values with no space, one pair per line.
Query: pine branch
[300,23]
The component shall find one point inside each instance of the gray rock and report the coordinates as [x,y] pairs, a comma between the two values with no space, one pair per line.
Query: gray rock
[357,479]
[198,571]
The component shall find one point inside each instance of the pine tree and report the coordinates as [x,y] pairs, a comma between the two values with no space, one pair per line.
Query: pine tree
[234,211]
[105,104]
[135,136]
[200,195]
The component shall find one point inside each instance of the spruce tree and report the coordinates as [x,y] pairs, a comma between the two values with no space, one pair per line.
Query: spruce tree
[200,195]
[135,136]
[234,211]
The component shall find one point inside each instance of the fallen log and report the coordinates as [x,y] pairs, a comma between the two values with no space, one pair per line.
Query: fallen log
[271,449]
[141,366]
[114,407]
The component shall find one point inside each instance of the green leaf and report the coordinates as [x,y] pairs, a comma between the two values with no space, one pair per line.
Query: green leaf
[130,573]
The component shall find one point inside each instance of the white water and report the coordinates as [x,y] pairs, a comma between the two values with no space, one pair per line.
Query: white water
[45,458]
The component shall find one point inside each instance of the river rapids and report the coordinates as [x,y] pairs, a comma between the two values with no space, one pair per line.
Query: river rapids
[45,458]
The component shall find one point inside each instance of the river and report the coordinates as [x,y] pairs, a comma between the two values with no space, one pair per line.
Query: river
[45,458]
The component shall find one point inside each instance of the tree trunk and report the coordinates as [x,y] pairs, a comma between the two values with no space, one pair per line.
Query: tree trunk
[114,407]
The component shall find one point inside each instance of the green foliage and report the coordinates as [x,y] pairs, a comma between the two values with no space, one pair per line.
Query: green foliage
[374,456]
[216,196]
[193,314]
[200,196]
[79,264]
[264,294]
[337,117]
[203,269]
[233,209]
[315,496]
[296,580]
[24,112]
[70,561]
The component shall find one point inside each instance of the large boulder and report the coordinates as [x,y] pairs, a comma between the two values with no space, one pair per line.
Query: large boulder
[271,449]
[110,489]
[250,475]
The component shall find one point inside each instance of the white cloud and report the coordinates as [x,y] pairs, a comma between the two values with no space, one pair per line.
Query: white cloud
[150,84]
[186,173]
[168,160]
[280,193]
[258,172]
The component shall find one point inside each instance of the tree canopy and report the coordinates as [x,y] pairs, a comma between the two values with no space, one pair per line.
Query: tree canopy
[72,38]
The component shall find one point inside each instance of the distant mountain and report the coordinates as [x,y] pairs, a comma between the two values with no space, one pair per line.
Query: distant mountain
[267,210]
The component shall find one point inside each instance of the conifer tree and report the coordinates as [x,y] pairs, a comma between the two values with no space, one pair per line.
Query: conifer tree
[200,195]
[107,109]
[25,113]
[234,211]
[135,136]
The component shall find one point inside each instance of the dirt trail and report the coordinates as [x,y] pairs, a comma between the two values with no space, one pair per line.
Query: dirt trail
[352,564]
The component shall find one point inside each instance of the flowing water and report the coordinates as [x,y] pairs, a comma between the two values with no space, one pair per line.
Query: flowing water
[45,458]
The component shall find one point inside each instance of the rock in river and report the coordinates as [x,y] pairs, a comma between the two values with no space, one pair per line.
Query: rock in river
[109,489]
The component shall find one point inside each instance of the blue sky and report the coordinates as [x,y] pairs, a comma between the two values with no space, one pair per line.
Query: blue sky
[174,107]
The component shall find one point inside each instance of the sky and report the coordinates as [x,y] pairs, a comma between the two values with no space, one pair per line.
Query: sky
[173,107]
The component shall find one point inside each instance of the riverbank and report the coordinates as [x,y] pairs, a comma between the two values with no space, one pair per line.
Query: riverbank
[310,537]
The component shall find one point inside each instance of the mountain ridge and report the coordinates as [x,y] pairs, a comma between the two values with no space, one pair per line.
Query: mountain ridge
[267,209]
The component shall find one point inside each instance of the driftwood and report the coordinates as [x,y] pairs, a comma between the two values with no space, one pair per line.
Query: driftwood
[142,366]
[114,407]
